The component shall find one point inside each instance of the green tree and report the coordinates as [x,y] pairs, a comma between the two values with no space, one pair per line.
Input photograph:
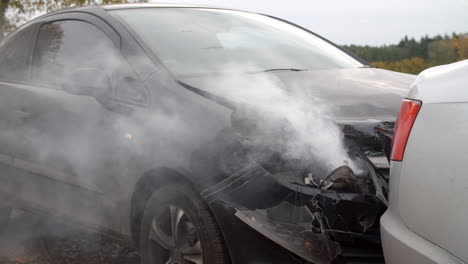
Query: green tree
[413,56]
[441,52]
[461,46]
[3,9]
[414,65]
[16,12]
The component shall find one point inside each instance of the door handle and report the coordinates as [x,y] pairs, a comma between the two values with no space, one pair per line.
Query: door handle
[21,115]
[17,117]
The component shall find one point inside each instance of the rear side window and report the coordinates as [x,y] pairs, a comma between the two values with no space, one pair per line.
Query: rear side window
[65,46]
[15,56]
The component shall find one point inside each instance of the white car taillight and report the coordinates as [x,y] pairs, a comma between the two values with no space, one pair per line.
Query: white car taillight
[408,112]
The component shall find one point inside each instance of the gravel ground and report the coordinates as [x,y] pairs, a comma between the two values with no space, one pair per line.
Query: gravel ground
[24,241]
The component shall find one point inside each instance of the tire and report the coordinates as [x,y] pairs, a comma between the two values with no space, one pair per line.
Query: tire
[178,209]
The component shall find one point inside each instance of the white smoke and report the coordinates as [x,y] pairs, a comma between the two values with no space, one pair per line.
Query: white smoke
[310,133]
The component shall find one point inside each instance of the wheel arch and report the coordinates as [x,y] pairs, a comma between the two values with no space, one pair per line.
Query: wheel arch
[146,185]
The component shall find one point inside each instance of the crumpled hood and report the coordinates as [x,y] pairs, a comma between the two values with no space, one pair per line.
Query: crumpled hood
[353,94]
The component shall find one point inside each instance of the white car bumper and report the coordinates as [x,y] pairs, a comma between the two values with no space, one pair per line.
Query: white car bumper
[400,244]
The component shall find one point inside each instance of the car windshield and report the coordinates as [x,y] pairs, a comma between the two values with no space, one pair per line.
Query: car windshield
[197,41]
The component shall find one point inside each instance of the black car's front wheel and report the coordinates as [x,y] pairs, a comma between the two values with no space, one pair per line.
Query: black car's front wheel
[179,228]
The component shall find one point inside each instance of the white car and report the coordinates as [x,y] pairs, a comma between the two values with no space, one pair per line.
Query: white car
[427,219]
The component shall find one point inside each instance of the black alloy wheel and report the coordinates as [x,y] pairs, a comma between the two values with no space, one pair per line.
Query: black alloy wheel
[179,228]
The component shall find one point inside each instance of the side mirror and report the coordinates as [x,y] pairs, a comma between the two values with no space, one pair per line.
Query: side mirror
[131,90]
[88,82]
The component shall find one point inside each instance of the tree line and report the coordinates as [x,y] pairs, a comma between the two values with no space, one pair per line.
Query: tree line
[413,56]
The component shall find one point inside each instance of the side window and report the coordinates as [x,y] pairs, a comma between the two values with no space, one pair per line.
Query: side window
[15,54]
[65,46]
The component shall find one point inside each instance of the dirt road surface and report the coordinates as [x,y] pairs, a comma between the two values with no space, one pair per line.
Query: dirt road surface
[29,239]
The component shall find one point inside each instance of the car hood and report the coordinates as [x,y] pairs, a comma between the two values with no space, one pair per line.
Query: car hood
[353,94]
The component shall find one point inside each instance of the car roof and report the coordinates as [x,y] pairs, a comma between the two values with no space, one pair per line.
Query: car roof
[152,5]
[91,8]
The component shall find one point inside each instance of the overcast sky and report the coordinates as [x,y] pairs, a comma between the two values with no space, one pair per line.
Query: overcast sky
[373,22]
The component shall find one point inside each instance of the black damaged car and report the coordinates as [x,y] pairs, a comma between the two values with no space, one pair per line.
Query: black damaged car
[198,134]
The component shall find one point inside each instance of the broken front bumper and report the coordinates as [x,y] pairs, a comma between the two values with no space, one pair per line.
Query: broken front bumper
[320,225]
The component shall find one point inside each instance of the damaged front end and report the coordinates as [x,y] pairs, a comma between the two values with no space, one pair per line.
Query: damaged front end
[320,218]
[305,160]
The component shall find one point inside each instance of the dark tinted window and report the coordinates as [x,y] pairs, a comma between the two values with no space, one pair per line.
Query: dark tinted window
[66,46]
[15,55]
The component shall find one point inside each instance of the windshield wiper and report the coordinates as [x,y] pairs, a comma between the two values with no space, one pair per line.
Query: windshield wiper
[280,69]
[285,69]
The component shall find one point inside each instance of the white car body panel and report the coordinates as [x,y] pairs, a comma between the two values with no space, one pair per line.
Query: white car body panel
[428,214]
[442,84]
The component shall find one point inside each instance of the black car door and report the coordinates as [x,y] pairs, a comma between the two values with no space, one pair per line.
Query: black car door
[73,138]
[15,60]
